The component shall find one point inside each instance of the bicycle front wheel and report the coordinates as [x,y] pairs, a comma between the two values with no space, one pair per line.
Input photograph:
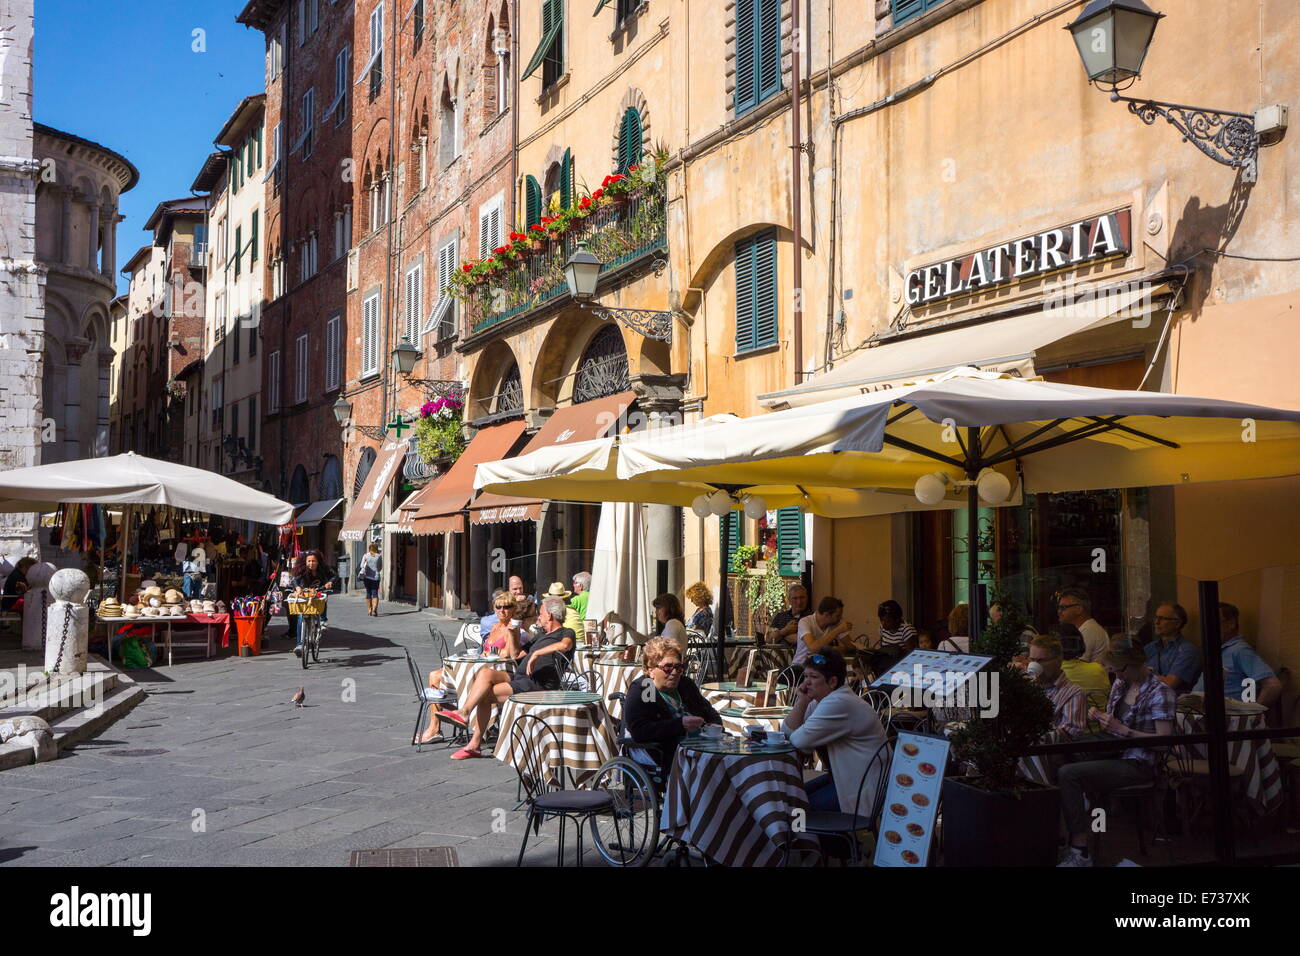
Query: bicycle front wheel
[315,639]
[304,637]
[628,834]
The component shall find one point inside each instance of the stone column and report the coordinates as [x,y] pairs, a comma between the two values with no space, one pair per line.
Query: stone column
[75,349]
[36,605]
[102,422]
[67,632]
[92,262]
[65,227]
[660,398]
[110,241]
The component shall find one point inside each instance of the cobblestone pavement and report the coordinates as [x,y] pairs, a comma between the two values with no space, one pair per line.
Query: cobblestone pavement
[273,785]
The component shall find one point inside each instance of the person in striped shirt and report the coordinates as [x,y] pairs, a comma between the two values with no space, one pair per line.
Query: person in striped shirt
[896,635]
[1069,702]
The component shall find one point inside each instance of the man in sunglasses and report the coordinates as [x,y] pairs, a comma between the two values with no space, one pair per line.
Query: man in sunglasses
[1073,606]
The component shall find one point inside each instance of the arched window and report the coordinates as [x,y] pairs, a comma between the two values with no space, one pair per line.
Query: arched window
[629,140]
[603,368]
[299,493]
[331,479]
[496,70]
[448,125]
[364,463]
[510,396]
[559,183]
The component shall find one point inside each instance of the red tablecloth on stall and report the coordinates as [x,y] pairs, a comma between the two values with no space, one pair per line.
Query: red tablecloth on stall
[209,619]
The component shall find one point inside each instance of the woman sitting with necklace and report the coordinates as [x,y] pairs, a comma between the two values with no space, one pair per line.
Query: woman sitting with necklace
[664,705]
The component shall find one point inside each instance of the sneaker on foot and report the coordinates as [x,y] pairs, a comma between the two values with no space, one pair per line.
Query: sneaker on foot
[297,650]
[1076,857]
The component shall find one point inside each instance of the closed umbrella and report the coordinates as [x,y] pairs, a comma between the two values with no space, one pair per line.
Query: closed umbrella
[619,581]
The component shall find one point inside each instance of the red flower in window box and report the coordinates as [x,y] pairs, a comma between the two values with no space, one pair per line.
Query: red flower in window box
[585,203]
[500,249]
[468,267]
[537,227]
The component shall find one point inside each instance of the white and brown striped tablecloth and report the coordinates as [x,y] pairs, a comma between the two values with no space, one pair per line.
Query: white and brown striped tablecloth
[723,695]
[458,672]
[1255,758]
[736,809]
[733,724]
[585,733]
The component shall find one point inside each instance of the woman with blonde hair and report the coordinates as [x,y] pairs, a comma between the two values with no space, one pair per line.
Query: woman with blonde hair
[958,640]
[700,595]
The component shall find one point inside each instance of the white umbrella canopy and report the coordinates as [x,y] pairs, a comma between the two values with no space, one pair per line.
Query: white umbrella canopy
[619,575]
[131,479]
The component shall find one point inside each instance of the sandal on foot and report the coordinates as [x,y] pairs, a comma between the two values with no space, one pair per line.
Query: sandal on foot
[464,753]
[454,717]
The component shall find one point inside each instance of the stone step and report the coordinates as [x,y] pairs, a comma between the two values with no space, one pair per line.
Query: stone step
[80,725]
[55,697]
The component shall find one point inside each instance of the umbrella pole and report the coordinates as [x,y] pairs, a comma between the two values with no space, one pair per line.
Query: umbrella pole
[724,597]
[123,548]
[972,532]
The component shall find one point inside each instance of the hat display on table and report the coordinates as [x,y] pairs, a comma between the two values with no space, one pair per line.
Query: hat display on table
[557,590]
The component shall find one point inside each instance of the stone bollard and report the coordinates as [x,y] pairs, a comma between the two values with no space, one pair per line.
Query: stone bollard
[36,603]
[67,634]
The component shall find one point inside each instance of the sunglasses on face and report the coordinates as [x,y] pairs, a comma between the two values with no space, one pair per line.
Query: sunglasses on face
[504,607]
[669,667]
[1066,607]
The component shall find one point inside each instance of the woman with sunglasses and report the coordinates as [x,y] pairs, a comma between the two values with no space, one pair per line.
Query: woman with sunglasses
[664,705]
[501,641]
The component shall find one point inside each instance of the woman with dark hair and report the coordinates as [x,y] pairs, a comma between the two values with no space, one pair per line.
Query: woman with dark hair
[669,617]
[310,572]
[831,720]
[16,584]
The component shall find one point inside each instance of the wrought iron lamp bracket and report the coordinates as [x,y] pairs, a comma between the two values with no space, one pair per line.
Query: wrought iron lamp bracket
[436,387]
[1226,137]
[373,432]
[652,323]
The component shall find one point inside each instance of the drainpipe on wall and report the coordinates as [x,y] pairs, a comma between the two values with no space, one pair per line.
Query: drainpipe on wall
[796,199]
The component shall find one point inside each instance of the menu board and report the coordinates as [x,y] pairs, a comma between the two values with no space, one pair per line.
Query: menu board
[911,800]
[934,671]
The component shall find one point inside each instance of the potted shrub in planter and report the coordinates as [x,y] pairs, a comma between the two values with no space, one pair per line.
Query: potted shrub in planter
[439,435]
[743,558]
[996,817]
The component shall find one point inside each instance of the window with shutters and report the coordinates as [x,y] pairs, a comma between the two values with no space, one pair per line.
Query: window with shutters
[252,423]
[629,140]
[489,227]
[448,144]
[904,10]
[239,249]
[308,122]
[252,239]
[413,301]
[790,548]
[442,320]
[375,65]
[236,333]
[302,22]
[549,55]
[559,184]
[370,335]
[254,328]
[273,382]
[342,231]
[300,370]
[333,351]
[756,292]
[532,201]
[417,25]
[729,536]
[342,83]
[757,52]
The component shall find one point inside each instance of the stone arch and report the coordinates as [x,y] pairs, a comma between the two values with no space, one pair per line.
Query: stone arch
[299,487]
[720,255]
[633,99]
[492,365]
[557,360]
[331,478]
[603,367]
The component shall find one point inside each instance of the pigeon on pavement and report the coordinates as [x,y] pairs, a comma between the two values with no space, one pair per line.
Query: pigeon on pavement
[299,696]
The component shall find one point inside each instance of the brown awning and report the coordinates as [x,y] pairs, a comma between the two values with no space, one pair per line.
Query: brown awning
[576,423]
[442,501]
[376,486]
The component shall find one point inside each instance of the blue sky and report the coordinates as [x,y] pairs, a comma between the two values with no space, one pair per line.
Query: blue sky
[124,73]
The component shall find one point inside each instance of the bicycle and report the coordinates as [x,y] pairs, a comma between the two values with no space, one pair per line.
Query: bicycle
[310,608]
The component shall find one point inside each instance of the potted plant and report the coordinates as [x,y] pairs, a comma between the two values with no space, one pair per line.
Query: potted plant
[766,594]
[995,816]
[438,434]
[743,558]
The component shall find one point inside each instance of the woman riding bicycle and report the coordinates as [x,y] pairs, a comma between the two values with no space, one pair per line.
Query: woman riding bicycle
[309,572]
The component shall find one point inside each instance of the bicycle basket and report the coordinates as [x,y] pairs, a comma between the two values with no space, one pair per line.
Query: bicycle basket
[315,605]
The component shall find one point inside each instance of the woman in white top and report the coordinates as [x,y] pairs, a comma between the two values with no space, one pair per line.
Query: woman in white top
[829,717]
[958,640]
[668,612]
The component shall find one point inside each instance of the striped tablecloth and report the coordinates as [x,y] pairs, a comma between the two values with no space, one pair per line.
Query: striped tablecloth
[722,695]
[615,678]
[1255,758]
[736,809]
[585,732]
[459,672]
[735,723]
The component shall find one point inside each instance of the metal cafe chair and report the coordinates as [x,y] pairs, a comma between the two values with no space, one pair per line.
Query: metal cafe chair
[847,826]
[879,701]
[590,682]
[531,741]
[469,637]
[439,640]
[425,696]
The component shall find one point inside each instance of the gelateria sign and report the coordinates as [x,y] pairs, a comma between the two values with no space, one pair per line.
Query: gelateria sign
[1088,240]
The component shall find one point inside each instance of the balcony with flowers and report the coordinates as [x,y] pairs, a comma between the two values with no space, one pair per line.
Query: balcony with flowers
[623,223]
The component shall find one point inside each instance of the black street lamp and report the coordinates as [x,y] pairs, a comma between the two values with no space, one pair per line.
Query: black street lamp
[1113,37]
[582,273]
[342,410]
[404,356]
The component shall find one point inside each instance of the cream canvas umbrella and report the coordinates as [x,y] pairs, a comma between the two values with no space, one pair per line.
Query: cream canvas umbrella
[934,444]
[618,569]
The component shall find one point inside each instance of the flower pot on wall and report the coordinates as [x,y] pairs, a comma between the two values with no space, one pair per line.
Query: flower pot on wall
[988,828]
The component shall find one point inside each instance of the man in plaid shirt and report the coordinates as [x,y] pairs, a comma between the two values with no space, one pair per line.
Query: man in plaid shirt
[1069,702]
[1141,705]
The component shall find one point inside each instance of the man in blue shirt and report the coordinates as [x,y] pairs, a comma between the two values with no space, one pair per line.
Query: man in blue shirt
[1175,660]
[1241,663]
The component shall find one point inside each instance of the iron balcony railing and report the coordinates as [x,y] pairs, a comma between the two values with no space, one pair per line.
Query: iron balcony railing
[619,234]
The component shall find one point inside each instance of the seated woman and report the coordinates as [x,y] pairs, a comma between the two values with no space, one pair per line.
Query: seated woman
[700,596]
[501,641]
[664,705]
[958,639]
[15,585]
[1140,705]
[830,719]
[668,612]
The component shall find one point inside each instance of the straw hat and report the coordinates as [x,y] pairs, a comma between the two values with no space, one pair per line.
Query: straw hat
[557,590]
[172,596]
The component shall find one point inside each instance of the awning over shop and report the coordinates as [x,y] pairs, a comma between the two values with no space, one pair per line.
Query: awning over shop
[405,514]
[997,345]
[373,491]
[317,511]
[572,424]
[442,501]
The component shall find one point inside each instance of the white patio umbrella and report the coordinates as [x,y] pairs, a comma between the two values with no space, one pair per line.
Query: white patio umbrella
[619,579]
[131,479]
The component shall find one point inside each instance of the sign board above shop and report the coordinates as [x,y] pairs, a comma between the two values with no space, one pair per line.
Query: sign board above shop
[1083,242]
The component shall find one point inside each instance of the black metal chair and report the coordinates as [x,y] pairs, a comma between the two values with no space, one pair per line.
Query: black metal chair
[879,701]
[591,682]
[532,742]
[439,640]
[1143,795]
[425,695]
[847,826]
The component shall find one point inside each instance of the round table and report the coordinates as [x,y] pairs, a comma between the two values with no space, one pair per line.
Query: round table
[582,726]
[1260,771]
[735,801]
[735,721]
[459,671]
[730,694]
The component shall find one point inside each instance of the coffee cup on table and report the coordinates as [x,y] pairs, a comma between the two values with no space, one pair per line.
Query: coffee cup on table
[775,737]
[712,731]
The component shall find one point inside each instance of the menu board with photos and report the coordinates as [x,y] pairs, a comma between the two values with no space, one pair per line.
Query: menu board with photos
[939,671]
[911,800]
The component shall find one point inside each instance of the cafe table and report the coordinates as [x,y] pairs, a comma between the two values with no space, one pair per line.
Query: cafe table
[734,720]
[730,694]
[616,677]
[736,802]
[459,670]
[582,726]
[1260,771]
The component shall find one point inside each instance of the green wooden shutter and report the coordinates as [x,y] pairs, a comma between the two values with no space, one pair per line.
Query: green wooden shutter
[746,88]
[552,24]
[729,536]
[259,147]
[239,249]
[566,179]
[768,54]
[629,140]
[905,10]
[789,539]
[532,201]
[252,242]
[744,296]
[765,305]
